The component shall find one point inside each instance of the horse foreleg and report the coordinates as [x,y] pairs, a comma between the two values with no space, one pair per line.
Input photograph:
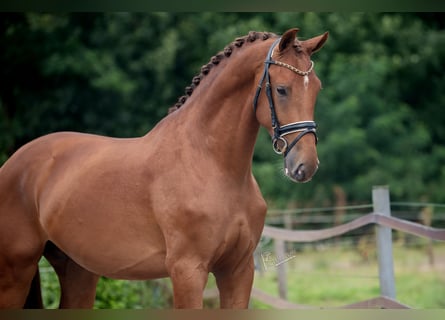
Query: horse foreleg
[15,282]
[21,247]
[235,286]
[189,279]
[77,285]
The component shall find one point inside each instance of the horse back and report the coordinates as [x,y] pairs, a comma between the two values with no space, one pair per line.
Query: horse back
[43,164]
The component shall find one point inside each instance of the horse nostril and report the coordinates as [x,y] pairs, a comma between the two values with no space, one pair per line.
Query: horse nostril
[300,173]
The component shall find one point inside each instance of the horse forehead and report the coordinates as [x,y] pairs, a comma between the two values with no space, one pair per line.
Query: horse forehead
[297,58]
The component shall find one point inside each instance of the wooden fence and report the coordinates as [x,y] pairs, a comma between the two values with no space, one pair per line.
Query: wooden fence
[381,217]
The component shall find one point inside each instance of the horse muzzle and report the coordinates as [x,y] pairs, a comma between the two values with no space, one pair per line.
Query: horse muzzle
[300,169]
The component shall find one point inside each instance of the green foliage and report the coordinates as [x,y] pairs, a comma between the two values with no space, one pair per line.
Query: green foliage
[123,294]
[110,293]
[49,285]
[378,115]
[116,74]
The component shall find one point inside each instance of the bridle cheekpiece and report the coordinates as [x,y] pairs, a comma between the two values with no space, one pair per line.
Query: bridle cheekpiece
[303,127]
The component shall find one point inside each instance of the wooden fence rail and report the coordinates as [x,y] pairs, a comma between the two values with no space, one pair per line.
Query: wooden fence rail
[381,217]
[371,218]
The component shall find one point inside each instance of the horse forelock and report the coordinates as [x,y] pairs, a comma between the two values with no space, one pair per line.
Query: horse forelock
[216,59]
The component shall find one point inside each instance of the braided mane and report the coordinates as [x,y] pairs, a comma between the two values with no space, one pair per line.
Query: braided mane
[215,60]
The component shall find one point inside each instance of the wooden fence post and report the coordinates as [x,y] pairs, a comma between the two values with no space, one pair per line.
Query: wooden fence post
[381,205]
[281,268]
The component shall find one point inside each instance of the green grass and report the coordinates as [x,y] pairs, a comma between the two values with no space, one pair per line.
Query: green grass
[335,277]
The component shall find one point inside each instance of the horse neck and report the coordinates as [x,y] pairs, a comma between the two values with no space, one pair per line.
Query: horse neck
[219,116]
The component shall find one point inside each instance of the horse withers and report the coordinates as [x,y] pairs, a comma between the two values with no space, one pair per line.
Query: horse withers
[178,202]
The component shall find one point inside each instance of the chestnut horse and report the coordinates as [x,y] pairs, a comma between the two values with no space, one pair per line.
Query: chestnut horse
[179,202]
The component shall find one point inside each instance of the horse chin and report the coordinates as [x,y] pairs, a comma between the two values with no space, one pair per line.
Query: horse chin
[300,172]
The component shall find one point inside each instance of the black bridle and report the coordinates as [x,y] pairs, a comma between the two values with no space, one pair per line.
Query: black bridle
[304,127]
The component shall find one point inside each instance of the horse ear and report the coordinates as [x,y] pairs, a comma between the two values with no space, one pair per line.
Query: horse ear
[314,44]
[288,38]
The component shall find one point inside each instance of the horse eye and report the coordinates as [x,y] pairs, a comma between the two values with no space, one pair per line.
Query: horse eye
[281,91]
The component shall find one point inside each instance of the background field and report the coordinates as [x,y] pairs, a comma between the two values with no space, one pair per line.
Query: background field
[337,276]
[322,277]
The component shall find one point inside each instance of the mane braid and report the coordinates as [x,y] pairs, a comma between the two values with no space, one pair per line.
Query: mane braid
[215,60]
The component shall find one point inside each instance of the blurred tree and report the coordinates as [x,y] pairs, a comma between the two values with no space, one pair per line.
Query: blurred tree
[378,115]
[117,73]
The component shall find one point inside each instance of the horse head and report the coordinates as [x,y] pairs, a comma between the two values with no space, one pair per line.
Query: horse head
[285,100]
